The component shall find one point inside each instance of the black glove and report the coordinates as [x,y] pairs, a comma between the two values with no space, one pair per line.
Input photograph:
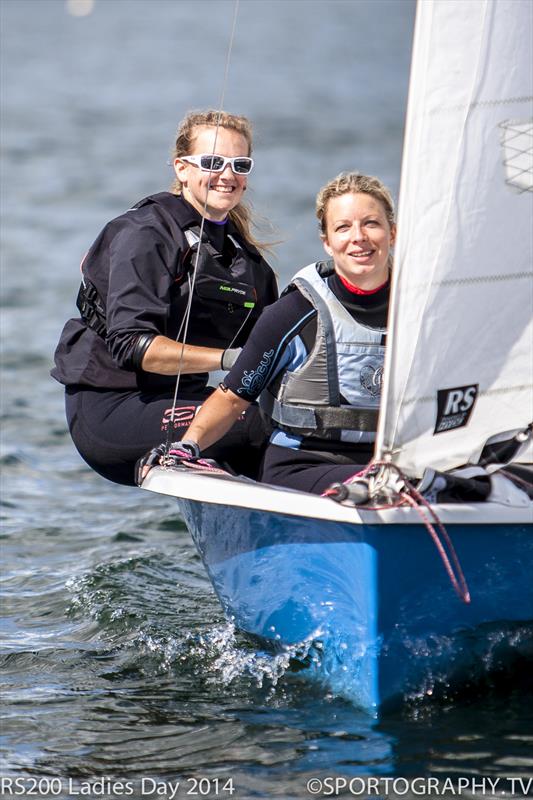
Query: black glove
[184,450]
[176,453]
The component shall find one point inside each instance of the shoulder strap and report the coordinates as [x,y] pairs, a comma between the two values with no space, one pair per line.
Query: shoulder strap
[192,237]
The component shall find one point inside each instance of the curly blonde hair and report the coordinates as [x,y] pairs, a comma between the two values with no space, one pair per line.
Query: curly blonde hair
[241,215]
[353,182]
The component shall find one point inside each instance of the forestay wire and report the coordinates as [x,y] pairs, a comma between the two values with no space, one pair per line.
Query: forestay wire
[182,333]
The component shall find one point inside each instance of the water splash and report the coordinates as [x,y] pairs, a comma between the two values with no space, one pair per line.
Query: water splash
[153,618]
[231,659]
[152,614]
[468,663]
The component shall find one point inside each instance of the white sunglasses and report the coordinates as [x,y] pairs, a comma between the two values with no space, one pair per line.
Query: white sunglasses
[208,162]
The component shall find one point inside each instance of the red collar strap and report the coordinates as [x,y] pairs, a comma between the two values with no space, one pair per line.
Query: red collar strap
[356,290]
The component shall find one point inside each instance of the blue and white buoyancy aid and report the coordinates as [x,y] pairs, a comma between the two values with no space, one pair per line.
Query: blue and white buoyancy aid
[334,393]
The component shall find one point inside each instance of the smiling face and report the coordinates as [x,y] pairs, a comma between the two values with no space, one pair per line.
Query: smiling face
[223,190]
[358,236]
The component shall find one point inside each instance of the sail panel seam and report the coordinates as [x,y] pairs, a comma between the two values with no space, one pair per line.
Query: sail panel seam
[479,104]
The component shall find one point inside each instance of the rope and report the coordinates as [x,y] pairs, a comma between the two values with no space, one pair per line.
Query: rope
[185,323]
[459,585]
[202,465]
[412,497]
[457,578]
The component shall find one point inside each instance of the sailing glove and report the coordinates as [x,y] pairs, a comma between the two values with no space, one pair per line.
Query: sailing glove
[229,357]
[185,450]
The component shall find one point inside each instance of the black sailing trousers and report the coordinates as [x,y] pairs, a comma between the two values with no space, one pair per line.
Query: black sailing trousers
[112,429]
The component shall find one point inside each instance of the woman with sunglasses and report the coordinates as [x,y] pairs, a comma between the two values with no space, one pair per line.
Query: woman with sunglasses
[316,356]
[173,286]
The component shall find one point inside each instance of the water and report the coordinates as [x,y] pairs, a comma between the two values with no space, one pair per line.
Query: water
[117,662]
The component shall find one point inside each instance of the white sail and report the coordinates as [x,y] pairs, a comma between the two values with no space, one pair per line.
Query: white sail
[459,363]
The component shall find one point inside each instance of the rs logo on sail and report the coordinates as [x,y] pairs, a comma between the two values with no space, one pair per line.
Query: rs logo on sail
[454,407]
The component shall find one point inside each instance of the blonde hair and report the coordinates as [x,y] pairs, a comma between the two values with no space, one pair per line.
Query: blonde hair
[353,182]
[241,215]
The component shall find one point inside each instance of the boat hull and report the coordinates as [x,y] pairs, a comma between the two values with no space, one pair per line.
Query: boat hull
[370,604]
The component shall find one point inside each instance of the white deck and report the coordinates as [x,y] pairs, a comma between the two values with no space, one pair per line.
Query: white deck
[241,493]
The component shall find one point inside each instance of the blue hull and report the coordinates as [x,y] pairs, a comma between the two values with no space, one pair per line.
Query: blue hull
[372,601]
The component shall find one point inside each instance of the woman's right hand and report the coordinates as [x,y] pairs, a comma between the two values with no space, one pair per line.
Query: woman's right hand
[165,455]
